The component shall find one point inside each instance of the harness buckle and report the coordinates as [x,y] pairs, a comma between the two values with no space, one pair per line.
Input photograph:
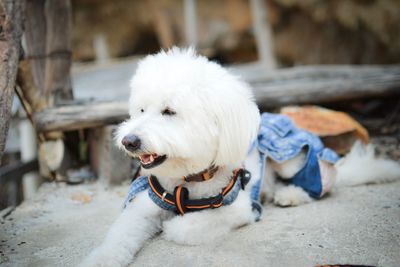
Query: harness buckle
[244,176]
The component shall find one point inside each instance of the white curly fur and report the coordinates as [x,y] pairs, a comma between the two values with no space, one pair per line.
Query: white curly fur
[362,166]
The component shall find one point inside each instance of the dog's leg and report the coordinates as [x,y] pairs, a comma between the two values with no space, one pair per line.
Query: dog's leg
[290,195]
[205,226]
[137,223]
[269,185]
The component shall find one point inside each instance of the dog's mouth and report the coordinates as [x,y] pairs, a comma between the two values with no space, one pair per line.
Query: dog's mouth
[152,160]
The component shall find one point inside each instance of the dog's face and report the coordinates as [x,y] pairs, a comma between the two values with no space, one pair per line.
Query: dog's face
[187,113]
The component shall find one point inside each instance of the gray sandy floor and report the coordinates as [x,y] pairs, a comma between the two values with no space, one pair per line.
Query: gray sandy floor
[354,225]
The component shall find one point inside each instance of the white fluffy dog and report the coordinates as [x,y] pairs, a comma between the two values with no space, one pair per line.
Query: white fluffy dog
[188,115]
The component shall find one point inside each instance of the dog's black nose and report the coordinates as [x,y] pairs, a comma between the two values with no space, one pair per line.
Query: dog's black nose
[131,142]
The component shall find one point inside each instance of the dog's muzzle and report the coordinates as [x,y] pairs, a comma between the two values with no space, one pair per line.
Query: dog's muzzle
[131,142]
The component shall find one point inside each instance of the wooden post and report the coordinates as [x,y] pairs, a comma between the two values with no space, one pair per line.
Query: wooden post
[31,69]
[48,45]
[162,25]
[190,17]
[57,83]
[35,36]
[263,35]
[11,21]
[48,52]
[110,164]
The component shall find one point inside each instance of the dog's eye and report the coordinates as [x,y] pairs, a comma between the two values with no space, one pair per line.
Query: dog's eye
[168,112]
[141,110]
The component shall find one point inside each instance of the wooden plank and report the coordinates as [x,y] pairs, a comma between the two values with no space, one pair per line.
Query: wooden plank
[74,117]
[299,85]
[15,171]
[323,84]
[6,212]
[11,24]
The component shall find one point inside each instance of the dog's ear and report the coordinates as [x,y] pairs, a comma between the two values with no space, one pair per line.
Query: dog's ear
[237,118]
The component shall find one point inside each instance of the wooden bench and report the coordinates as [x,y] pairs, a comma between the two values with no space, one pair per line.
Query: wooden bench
[298,85]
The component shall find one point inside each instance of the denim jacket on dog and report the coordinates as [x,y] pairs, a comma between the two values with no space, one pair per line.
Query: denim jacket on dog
[280,140]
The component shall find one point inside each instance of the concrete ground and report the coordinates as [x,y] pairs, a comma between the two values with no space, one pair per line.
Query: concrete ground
[358,225]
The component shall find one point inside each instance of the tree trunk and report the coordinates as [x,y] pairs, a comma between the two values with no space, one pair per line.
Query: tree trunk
[11,21]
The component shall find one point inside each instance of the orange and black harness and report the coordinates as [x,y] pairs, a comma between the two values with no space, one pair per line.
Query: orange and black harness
[180,197]
[179,200]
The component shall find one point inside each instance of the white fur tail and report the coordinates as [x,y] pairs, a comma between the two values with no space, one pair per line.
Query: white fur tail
[361,166]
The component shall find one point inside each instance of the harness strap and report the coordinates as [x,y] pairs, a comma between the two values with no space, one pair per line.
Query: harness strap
[180,197]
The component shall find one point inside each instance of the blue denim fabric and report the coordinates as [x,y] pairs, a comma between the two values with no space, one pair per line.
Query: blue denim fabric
[231,196]
[256,189]
[138,185]
[162,204]
[309,177]
[281,140]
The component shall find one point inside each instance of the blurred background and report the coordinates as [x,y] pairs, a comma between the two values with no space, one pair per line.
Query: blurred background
[267,42]
[302,31]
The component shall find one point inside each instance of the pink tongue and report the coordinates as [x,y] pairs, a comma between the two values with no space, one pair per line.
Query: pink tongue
[146,158]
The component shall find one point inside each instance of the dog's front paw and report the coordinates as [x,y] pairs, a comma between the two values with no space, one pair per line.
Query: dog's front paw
[291,196]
